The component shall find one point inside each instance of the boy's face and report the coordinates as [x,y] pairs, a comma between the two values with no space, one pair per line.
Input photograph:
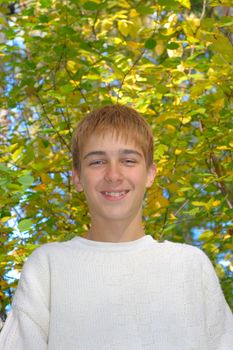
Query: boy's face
[113,177]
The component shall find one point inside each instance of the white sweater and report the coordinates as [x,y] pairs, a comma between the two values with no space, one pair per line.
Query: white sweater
[88,295]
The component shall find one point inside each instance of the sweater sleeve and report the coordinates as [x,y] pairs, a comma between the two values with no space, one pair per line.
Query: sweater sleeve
[27,324]
[20,333]
[218,316]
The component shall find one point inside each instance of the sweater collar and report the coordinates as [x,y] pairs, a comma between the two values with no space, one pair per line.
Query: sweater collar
[140,243]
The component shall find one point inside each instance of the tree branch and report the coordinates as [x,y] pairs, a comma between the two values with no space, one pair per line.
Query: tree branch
[131,68]
[51,123]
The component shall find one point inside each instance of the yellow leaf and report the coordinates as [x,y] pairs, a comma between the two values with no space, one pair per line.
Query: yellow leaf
[18,152]
[228,246]
[160,47]
[172,187]
[106,24]
[172,216]
[75,83]
[231,266]
[161,202]
[123,27]
[218,104]
[193,21]
[3,284]
[45,178]
[166,115]
[117,41]
[211,247]
[222,45]
[199,204]
[223,148]
[133,13]
[205,236]
[231,144]
[226,237]
[185,120]
[178,151]
[216,203]
[171,129]
[185,3]
[72,66]
[124,4]
[74,208]
[134,45]
[220,271]
[5,218]
[169,31]
[40,187]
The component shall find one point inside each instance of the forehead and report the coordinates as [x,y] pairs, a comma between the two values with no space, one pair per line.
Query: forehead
[110,142]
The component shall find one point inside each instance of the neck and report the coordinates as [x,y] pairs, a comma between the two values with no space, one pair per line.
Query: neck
[115,231]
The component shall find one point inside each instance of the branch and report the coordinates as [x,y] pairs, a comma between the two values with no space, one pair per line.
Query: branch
[203,9]
[80,90]
[131,68]
[221,185]
[165,221]
[51,123]
[216,169]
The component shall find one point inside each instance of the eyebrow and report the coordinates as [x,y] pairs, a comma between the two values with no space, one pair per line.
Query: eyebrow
[121,151]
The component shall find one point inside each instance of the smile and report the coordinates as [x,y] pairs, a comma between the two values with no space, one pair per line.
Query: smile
[114,195]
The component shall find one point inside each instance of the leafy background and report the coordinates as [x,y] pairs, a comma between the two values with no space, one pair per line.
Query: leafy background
[169,59]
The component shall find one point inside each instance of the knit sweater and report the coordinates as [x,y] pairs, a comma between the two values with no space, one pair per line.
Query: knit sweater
[142,294]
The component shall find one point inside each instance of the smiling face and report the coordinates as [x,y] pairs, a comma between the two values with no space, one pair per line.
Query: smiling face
[113,177]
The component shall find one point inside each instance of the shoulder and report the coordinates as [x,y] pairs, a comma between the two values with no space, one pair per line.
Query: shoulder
[42,255]
[183,248]
[187,253]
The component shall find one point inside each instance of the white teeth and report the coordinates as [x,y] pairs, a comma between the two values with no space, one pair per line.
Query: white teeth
[115,194]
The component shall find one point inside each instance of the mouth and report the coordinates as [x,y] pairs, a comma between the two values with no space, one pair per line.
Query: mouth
[114,195]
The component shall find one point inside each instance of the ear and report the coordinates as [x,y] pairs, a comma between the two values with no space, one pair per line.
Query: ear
[151,173]
[76,180]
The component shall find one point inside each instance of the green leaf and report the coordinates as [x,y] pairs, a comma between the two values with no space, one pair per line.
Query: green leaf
[91,6]
[150,43]
[67,88]
[172,46]
[45,3]
[26,180]
[168,3]
[145,10]
[4,168]
[25,225]
[44,18]
[205,236]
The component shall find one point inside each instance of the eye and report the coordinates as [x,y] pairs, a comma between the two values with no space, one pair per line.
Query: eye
[129,162]
[96,162]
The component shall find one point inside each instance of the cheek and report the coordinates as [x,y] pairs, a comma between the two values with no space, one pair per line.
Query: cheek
[139,186]
[90,182]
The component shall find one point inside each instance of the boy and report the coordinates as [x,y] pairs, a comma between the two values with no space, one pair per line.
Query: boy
[117,288]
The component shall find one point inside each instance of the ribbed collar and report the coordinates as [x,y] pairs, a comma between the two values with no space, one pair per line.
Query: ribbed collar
[139,243]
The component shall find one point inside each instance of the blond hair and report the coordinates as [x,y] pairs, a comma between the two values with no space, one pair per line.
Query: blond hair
[119,120]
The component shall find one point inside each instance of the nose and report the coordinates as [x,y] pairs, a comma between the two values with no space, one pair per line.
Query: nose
[113,173]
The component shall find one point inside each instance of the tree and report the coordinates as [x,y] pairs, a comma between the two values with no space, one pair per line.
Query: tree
[168,59]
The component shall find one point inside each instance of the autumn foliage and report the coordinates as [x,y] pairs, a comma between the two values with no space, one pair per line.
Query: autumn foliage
[170,60]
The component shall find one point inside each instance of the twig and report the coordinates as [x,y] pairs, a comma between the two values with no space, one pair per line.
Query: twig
[131,68]
[51,123]
[203,10]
